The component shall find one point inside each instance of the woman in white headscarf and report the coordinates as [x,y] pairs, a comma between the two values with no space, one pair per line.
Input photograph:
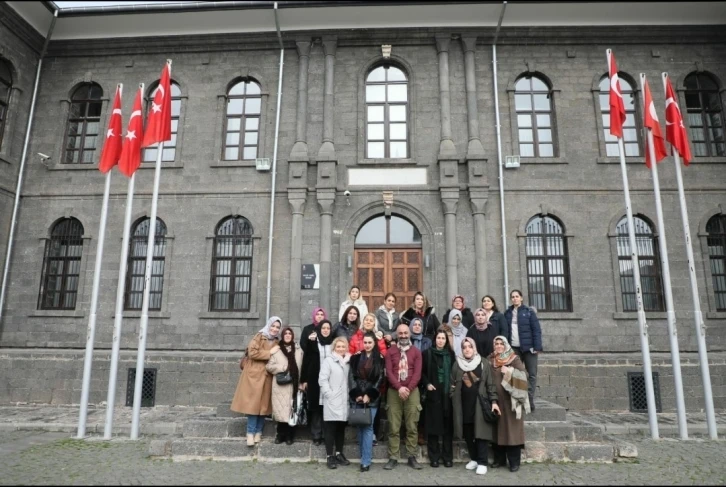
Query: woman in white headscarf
[253,396]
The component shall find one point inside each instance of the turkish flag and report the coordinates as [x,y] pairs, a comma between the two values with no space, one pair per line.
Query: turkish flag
[131,152]
[158,122]
[112,146]
[617,107]
[675,130]
[651,122]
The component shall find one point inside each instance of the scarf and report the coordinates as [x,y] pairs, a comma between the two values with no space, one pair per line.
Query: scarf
[515,383]
[488,316]
[403,362]
[443,373]
[416,338]
[459,332]
[266,330]
[467,365]
[288,350]
[507,356]
[315,311]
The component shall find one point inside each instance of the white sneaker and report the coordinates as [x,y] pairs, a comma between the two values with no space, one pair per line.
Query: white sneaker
[471,465]
[481,470]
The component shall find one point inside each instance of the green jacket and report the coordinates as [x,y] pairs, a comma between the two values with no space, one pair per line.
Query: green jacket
[487,388]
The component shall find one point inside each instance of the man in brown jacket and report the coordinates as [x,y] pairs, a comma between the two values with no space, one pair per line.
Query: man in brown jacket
[403,369]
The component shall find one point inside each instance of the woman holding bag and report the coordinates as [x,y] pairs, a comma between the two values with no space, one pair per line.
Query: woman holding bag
[367,370]
[333,382]
[284,365]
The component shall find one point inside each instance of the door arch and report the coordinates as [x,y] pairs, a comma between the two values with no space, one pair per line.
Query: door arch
[388,258]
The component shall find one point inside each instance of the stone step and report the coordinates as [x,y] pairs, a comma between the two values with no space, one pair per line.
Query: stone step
[304,451]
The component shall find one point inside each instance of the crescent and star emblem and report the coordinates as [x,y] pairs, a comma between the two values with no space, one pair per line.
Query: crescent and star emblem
[614,85]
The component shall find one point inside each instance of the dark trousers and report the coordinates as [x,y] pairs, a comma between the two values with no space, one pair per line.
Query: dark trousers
[441,448]
[477,448]
[377,424]
[530,364]
[334,432]
[502,454]
[315,418]
[285,431]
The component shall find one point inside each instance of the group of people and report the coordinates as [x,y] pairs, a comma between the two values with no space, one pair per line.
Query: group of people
[471,377]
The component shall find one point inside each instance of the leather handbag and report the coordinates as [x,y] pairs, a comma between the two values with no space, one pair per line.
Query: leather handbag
[359,416]
[283,378]
[486,409]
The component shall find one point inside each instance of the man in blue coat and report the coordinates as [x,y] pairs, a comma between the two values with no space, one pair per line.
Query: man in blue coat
[525,336]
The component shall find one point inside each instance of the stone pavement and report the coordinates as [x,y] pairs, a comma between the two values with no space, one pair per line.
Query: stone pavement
[31,457]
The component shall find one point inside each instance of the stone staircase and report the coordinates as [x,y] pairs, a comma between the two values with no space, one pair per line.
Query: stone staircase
[550,436]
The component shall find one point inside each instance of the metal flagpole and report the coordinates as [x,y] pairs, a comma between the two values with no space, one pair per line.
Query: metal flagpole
[671,314]
[700,326]
[118,317]
[643,326]
[145,302]
[91,333]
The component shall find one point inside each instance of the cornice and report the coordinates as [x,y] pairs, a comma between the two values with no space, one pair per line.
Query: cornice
[20,28]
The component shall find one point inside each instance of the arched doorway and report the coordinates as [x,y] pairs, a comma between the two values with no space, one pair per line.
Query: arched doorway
[388,258]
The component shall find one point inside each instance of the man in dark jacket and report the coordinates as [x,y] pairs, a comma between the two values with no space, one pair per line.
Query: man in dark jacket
[525,336]
[403,370]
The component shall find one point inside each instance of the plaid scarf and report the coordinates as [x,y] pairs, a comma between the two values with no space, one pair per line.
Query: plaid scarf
[403,362]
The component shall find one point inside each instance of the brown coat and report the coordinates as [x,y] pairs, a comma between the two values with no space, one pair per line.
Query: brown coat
[282,395]
[254,389]
[510,430]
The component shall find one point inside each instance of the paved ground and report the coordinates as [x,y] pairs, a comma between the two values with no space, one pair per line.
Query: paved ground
[31,457]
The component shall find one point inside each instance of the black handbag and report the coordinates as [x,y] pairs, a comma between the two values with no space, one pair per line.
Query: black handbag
[359,416]
[283,378]
[486,409]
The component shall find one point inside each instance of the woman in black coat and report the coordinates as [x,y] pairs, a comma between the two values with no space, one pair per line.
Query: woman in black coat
[488,324]
[435,381]
[422,309]
[316,350]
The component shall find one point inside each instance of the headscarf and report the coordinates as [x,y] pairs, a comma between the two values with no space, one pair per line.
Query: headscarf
[458,331]
[486,322]
[266,330]
[315,311]
[322,340]
[291,362]
[507,356]
[467,365]
[416,338]
[463,302]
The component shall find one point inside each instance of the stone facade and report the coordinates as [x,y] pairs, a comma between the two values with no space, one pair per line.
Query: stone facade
[581,187]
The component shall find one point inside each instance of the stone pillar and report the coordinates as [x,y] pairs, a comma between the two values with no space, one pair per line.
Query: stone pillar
[478,208]
[474,149]
[447,150]
[300,149]
[296,197]
[450,200]
[327,150]
[326,200]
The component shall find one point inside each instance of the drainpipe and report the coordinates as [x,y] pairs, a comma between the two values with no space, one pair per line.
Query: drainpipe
[499,152]
[23,158]
[274,167]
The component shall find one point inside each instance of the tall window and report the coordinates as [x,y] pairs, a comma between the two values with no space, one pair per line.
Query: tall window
[705,115]
[548,273]
[231,265]
[136,266]
[242,121]
[648,258]
[716,229]
[169,153]
[83,123]
[61,265]
[533,103]
[386,113]
[6,85]
[630,130]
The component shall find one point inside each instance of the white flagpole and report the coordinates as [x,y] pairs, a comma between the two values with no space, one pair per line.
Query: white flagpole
[700,326]
[668,290]
[91,332]
[118,317]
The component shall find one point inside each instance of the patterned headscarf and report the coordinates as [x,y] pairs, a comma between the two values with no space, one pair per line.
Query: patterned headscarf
[266,330]
[507,356]
[315,311]
[486,321]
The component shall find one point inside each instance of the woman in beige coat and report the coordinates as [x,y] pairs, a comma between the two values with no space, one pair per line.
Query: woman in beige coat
[254,389]
[284,396]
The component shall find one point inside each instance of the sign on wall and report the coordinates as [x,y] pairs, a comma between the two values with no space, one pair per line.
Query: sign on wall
[310,276]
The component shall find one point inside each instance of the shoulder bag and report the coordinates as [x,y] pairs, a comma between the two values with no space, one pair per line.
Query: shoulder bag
[283,378]
[359,416]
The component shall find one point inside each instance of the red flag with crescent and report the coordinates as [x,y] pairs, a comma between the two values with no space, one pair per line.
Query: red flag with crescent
[131,152]
[651,122]
[112,146]
[617,107]
[158,122]
[675,130]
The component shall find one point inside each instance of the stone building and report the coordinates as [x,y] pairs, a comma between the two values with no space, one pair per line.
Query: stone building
[387,175]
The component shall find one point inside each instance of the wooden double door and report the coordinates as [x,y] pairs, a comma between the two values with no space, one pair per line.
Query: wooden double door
[379,271]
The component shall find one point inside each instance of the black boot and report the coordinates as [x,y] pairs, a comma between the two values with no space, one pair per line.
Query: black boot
[332,464]
[514,456]
[340,458]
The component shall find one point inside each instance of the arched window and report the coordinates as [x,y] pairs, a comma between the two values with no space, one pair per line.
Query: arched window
[136,265]
[716,229]
[386,113]
[705,115]
[393,230]
[548,268]
[6,86]
[242,121]
[83,123]
[630,130]
[649,260]
[230,288]
[535,117]
[169,153]
[61,265]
